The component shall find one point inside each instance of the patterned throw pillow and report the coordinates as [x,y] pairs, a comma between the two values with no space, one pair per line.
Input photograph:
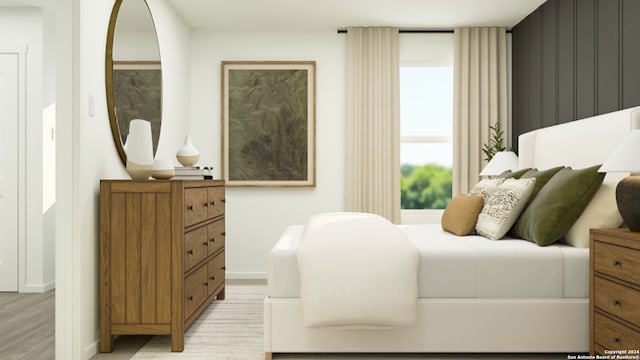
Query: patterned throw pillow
[503,206]
[485,187]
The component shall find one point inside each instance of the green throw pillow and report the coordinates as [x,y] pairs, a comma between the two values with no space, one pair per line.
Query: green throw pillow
[508,174]
[558,205]
[542,177]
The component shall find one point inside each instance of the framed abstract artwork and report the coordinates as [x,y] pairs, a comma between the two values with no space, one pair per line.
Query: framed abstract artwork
[268,123]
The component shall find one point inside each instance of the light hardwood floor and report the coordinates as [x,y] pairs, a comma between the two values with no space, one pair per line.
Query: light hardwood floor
[229,329]
[27,326]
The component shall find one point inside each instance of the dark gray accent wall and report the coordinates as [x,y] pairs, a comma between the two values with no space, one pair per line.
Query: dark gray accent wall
[574,59]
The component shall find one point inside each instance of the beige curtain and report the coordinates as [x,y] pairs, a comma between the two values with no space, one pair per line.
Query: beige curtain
[373,122]
[479,100]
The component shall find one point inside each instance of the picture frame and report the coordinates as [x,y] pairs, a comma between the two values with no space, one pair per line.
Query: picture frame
[137,92]
[268,123]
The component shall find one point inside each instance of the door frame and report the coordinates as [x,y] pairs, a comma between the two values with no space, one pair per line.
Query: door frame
[21,50]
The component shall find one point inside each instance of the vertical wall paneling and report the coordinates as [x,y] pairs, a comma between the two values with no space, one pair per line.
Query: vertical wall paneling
[574,59]
[630,53]
[585,40]
[607,60]
[565,61]
[535,71]
[549,64]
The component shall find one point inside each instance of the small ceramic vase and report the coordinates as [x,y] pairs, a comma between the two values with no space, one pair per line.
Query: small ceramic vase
[188,155]
[163,170]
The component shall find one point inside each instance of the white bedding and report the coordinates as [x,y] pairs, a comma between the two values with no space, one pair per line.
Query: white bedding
[462,267]
[344,259]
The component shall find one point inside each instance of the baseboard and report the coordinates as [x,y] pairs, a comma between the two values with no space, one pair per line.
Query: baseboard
[38,288]
[246,275]
[91,350]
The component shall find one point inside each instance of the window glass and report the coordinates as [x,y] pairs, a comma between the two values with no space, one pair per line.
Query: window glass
[426,152]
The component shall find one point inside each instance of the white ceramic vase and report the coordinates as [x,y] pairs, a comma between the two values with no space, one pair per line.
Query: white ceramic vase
[139,150]
[188,155]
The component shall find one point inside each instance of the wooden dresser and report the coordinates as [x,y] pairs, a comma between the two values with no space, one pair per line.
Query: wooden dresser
[161,256]
[615,291]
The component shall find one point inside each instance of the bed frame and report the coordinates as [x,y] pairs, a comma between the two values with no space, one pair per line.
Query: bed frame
[476,325]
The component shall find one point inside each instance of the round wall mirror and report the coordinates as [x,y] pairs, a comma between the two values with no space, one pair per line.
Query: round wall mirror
[133,72]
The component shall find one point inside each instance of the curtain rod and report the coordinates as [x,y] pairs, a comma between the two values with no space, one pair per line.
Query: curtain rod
[418,31]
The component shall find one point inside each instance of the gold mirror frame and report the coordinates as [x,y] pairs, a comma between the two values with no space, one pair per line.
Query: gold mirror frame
[109,81]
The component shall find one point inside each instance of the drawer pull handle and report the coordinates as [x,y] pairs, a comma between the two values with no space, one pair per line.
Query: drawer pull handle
[190,251]
[213,278]
[617,262]
[224,201]
[224,233]
[206,284]
[190,297]
[213,203]
[213,240]
[617,302]
[205,204]
[223,268]
[190,207]
[616,340]
[206,243]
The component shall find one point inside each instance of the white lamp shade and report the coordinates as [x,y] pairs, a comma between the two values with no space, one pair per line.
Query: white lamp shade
[139,143]
[626,157]
[501,162]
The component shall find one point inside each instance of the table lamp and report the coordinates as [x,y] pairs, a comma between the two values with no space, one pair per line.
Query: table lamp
[501,162]
[626,158]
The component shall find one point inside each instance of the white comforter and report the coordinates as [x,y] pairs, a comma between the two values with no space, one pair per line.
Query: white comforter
[357,270]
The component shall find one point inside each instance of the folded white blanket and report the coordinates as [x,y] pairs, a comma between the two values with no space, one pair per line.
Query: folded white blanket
[357,270]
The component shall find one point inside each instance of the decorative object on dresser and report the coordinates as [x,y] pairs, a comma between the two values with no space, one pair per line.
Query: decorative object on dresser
[162,247]
[615,291]
[162,170]
[188,155]
[140,150]
[625,159]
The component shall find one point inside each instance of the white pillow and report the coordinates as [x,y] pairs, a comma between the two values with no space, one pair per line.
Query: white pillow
[503,206]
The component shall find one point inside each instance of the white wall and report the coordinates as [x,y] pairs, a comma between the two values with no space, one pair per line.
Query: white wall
[255,218]
[25,26]
[86,154]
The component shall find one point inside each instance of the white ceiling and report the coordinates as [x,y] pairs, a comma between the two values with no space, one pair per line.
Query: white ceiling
[297,14]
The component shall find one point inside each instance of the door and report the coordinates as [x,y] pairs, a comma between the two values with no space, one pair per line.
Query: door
[9,90]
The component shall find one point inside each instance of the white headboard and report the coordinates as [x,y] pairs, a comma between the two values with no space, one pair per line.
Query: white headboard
[579,143]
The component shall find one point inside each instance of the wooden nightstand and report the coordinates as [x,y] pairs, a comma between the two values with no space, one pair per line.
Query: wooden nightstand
[614,291]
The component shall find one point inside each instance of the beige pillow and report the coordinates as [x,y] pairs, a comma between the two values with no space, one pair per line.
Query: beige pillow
[602,212]
[502,208]
[461,214]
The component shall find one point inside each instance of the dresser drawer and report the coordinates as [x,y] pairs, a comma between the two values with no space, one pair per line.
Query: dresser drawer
[195,290]
[612,335]
[195,205]
[216,272]
[216,236]
[617,261]
[215,195]
[195,247]
[618,300]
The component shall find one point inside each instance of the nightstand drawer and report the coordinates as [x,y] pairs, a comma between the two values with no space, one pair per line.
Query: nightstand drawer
[618,300]
[612,335]
[617,261]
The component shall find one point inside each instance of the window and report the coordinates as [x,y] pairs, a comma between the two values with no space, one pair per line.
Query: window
[426,127]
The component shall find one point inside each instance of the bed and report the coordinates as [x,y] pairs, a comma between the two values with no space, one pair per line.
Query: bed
[474,294]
